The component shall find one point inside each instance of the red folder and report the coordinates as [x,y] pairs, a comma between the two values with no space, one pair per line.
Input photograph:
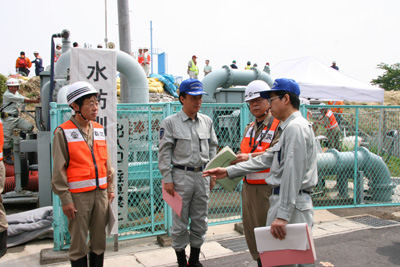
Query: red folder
[296,248]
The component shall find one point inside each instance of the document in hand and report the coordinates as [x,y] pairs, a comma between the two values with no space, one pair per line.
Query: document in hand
[111,220]
[222,159]
[296,248]
[175,202]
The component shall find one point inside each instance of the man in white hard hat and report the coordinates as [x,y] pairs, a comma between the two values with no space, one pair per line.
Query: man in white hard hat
[146,61]
[83,176]
[10,115]
[258,137]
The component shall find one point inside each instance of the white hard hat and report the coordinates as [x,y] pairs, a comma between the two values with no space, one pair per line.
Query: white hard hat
[253,87]
[79,89]
[12,82]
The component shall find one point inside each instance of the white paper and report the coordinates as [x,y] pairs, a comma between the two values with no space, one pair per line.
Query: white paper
[111,220]
[296,238]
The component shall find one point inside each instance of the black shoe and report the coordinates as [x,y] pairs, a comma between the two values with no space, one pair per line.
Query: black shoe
[3,243]
[82,262]
[181,256]
[96,260]
[194,257]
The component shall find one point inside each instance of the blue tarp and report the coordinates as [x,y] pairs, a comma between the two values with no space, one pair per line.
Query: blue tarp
[168,81]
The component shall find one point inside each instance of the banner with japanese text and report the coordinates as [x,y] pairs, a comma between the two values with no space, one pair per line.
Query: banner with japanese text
[99,68]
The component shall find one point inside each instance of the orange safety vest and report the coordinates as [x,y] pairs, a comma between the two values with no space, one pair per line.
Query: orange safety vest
[336,110]
[1,140]
[87,167]
[140,59]
[332,120]
[247,146]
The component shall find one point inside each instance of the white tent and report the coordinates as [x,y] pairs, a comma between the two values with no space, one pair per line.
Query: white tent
[319,81]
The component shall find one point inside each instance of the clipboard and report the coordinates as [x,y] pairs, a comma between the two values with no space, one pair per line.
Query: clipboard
[297,248]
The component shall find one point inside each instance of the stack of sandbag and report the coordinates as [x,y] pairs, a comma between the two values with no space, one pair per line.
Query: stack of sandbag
[118,86]
[155,86]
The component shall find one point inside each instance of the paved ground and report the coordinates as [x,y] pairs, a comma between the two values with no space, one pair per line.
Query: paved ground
[358,240]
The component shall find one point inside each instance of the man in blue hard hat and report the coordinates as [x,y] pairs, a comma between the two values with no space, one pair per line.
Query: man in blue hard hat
[293,162]
[187,143]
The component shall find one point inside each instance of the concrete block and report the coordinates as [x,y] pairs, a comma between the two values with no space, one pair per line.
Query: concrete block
[239,228]
[164,240]
[48,256]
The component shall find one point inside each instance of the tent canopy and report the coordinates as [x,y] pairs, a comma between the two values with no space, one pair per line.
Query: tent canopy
[319,81]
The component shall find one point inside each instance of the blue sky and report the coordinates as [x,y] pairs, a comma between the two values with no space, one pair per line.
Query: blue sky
[357,34]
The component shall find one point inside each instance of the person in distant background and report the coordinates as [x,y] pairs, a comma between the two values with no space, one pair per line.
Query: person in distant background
[267,68]
[254,66]
[75,44]
[193,70]
[337,111]
[328,121]
[38,63]
[99,46]
[207,68]
[57,52]
[248,66]
[233,65]
[334,65]
[146,62]
[23,64]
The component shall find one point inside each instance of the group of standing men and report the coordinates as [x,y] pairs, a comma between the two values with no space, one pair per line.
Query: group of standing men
[193,69]
[23,64]
[144,60]
[278,157]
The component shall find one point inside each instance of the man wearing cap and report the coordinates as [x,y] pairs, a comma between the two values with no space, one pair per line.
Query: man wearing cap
[187,143]
[293,162]
[233,65]
[38,63]
[83,176]
[259,136]
[193,70]
[267,68]
[22,64]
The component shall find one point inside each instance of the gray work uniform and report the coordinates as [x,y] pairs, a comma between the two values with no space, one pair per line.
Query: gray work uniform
[189,143]
[293,163]
[12,120]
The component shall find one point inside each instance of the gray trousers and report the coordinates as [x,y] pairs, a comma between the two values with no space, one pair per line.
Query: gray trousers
[195,192]
[9,124]
[303,213]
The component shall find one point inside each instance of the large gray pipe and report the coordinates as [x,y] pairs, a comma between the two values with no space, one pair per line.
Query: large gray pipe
[138,86]
[227,77]
[124,43]
[341,164]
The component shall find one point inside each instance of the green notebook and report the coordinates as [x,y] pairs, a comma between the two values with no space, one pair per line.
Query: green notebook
[222,159]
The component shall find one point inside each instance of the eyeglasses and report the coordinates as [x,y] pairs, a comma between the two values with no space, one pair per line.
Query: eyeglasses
[272,98]
[92,104]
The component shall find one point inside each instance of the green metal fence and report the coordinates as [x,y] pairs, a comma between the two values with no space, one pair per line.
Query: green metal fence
[364,171]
